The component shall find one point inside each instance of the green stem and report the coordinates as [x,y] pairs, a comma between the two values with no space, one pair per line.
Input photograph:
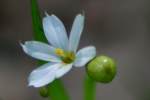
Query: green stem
[37,22]
[89,88]
[56,89]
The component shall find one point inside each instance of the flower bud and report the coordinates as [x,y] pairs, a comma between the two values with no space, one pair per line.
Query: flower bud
[43,92]
[102,69]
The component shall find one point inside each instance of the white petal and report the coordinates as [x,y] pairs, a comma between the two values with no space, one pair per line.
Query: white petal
[63,70]
[55,31]
[76,31]
[40,51]
[43,75]
[84,56]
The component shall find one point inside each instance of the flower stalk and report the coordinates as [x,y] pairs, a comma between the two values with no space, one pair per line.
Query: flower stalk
[55,93]
[89,88]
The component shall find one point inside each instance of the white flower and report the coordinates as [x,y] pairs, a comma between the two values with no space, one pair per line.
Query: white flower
[61,55]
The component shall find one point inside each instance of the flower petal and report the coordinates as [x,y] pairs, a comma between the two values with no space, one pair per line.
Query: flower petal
[40,51]
[55,31]
[84,56]
[75,33]
[43,75]
[63,70]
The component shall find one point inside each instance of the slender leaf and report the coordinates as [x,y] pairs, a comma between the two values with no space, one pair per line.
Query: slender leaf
[37,22]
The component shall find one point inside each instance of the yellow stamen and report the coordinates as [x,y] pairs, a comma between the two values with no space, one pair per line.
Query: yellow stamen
[59,52]
[69,58]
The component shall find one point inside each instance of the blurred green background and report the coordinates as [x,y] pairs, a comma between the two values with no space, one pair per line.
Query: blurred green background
[118,28]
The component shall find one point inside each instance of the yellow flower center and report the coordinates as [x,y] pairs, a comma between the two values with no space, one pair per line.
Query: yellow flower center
[67,57]
[59,52]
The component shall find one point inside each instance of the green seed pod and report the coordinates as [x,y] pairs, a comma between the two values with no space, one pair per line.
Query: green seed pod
[102,69]
[43,92]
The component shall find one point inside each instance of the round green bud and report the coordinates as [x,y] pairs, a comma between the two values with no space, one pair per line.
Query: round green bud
[43,92]
[102,69]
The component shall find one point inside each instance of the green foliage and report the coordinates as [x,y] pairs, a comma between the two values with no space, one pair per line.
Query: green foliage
[37,22]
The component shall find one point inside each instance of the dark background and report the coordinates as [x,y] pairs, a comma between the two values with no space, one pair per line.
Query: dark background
[118,28]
